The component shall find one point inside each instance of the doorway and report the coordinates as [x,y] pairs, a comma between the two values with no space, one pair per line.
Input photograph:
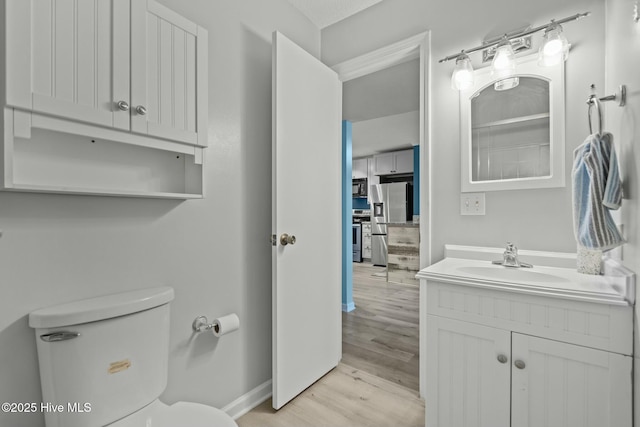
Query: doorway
[386,318]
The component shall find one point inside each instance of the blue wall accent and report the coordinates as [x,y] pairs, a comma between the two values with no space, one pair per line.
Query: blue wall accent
[347,220]
[360,203]
[416,180]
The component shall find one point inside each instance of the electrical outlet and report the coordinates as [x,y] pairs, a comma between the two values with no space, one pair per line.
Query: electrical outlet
[472,204]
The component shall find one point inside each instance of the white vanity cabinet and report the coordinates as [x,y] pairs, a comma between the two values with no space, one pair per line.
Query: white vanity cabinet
[127,76]
[498,355]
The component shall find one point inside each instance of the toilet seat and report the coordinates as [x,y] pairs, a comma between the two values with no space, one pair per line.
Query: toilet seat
[158,414]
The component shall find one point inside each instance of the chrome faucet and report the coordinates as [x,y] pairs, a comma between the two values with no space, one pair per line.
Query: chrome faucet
[510,258]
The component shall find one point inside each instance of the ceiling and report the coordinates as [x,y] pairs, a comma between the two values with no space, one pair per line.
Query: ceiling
[391,91]
[383,106]
[326,12]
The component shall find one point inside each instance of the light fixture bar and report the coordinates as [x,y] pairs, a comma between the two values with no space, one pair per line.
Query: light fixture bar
[521,34]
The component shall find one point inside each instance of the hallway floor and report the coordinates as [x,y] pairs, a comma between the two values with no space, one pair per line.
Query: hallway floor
[381,335]
[377,381]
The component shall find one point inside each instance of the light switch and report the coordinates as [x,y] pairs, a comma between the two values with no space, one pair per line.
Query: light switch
[472,204]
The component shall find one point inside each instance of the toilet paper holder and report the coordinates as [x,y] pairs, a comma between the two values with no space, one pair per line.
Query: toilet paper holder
[201,324]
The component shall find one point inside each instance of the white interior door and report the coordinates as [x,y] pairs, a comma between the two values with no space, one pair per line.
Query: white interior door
[306,203]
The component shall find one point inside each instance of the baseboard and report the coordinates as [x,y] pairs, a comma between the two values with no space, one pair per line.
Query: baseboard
[348,307]
[249,400]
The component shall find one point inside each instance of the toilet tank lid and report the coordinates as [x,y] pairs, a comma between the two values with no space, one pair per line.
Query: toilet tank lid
[100,308]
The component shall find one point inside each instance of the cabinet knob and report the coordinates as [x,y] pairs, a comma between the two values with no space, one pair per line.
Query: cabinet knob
[141,110]
[285,239]
[123,106]
[519,364]
[502,358]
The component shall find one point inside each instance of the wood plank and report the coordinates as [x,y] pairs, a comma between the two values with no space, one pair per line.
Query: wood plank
[346,396]
[377,382]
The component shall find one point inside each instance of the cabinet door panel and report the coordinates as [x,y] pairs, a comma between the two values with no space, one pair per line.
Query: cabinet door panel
[404,161]
[383,164]
[468,386]
[569,385]
[73,57]
[169,71]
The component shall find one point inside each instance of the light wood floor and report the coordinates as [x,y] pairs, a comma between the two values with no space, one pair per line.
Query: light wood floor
[381,335]
[345,397]
[377,381]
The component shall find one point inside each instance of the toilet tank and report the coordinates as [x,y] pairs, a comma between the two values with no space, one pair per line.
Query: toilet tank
[103,358]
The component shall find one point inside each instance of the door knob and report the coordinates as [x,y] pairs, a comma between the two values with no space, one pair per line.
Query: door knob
[502,358]
[123,106]
[141,110]
[285,239]
[519,364]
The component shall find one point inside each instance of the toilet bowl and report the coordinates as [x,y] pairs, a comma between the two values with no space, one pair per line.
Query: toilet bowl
[188,414]
[107,358]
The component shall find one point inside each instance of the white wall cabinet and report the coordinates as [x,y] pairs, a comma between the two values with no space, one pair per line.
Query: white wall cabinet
[104,97]
[496,359]
[360,168]
[396,162]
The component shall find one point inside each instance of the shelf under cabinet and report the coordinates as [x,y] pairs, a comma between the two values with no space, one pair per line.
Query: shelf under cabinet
[100,192]
[50,161]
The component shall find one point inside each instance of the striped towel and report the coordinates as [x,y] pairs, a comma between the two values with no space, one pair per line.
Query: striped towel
[596,190]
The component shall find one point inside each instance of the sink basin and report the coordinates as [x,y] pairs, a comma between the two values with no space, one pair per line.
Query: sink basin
[509,274]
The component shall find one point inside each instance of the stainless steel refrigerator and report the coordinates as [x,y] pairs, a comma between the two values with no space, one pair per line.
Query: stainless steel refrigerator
[390,203]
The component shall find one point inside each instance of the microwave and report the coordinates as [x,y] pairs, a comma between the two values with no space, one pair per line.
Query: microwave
[359,187]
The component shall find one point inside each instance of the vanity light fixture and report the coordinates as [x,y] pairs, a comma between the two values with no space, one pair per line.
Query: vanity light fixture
[504,61]
[554,49]
[462,77]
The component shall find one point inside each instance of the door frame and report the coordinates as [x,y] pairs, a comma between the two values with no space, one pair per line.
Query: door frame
[415,47]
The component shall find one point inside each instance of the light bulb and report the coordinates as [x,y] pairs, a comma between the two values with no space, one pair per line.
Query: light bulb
[503,64]
[554,48]
[462,77]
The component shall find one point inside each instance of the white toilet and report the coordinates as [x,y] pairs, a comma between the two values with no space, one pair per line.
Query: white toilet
[103,362]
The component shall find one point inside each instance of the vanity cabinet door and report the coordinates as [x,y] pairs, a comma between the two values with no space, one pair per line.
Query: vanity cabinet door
[169,74]
[568,385]
[468,374]
[69,59]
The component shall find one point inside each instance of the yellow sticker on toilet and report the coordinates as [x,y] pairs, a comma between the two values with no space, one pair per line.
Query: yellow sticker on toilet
[119,366]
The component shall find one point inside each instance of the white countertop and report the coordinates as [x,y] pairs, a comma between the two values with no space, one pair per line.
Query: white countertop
[617,287]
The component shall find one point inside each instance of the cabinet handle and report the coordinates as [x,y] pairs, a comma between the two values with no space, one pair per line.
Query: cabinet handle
[123,106]
[141,110]
[519,364]
[502,358]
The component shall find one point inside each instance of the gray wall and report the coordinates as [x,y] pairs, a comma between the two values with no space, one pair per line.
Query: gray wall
[214,252]
[533,219]
[622,65]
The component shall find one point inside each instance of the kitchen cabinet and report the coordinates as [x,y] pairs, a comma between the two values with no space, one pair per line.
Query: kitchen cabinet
[499,358]
[127,77]
[359,168]
[366,240]
[396,162]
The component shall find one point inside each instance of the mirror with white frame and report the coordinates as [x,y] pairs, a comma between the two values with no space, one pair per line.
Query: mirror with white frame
[512,133]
